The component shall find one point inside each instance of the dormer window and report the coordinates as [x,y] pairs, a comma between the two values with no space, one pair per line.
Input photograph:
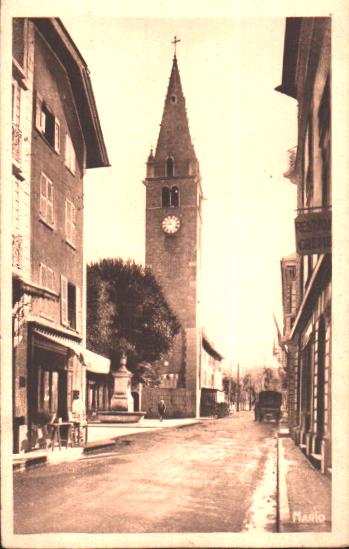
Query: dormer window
[173,98]
[170,167]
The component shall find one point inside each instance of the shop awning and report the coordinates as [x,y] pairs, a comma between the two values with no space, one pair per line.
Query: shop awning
[94,363]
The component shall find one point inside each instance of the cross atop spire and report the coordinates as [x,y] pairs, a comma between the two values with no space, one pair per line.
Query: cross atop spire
[175,42]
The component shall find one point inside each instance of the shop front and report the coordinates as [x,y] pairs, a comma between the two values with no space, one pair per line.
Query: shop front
[56,369]
[311,378]
[99,383]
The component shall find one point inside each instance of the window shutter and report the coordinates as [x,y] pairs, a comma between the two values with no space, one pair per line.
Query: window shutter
[43,279]
[67,220]
[64,300]
[78,309]
[57,144]
[38,113]
[50,279]
[49,202]
[66,148]
[73,223]
[69,154]
[43,196]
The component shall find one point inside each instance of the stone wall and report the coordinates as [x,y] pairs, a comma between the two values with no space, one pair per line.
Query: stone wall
[179,402]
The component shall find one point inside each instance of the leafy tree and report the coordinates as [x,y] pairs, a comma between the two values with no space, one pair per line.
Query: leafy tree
[127,313]
[230,387]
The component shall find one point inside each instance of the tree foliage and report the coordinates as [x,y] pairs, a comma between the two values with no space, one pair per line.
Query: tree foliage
[127,312]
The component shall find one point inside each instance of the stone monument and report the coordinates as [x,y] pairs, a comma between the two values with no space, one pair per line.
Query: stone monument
[121,403]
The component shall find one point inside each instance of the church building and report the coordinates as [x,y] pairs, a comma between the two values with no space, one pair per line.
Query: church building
[173,252]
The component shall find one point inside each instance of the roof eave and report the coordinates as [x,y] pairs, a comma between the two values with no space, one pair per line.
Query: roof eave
[209,348]
[291,44]
[62,44]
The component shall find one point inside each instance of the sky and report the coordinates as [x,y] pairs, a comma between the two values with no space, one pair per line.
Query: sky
[241,129]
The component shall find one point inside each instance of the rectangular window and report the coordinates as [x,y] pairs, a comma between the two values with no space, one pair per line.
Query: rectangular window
[70,159]
[70,304]
[47,124]
[46,199]
[48,385]
[47,277]
[70,222]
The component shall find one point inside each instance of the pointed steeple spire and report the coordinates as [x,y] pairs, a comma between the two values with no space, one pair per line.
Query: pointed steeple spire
[174,137]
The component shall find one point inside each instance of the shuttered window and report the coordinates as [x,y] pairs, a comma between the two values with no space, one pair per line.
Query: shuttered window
[47,123]
[70,159]
[46,200]
[70,305]
[70,222]
[64,300]
[57,140]
[78,308]
[47,278]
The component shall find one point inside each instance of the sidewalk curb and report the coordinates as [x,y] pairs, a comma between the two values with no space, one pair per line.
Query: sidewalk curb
[96,444]
[283,508]
[23,463]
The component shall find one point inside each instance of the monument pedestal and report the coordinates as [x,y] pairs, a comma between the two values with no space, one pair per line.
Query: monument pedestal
[121,403]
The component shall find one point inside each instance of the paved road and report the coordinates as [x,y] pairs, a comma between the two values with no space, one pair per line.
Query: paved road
[215,476]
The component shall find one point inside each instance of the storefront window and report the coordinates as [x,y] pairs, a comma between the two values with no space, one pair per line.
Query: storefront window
[48,391]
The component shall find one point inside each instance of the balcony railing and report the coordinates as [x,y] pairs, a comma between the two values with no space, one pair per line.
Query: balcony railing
[16,143]
[17,255]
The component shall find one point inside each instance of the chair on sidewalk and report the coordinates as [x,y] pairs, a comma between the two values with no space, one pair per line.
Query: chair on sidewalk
[79,430]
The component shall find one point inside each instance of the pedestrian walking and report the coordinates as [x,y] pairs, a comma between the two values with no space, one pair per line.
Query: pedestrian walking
[161,409]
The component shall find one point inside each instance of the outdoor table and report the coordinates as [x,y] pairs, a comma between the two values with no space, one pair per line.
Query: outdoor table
[59,428]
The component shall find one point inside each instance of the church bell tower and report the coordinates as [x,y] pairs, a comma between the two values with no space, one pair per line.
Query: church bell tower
[173,237]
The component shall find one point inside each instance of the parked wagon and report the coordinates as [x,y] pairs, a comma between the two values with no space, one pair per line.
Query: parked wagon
[268,406]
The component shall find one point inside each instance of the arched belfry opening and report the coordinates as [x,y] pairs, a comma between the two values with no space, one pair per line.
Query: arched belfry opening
[174,197]
[170,167]
[166,197]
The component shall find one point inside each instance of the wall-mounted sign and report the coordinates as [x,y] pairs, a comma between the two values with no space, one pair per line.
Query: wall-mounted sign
[313,233]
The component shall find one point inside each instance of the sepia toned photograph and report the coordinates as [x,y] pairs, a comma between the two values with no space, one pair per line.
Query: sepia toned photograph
[173,353]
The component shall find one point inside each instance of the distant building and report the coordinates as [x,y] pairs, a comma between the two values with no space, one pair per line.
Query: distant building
[173,251]
[289,306]
[307,326]
[56,136]
[211,374]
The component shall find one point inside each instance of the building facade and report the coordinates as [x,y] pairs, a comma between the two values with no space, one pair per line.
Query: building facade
[307,78]
[56,136]
[211,376]
[173,244]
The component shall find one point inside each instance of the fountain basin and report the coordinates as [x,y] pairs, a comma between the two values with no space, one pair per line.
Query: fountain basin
[115,416]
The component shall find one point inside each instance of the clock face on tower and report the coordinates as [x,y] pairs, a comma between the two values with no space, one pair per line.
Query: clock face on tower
[170,224]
